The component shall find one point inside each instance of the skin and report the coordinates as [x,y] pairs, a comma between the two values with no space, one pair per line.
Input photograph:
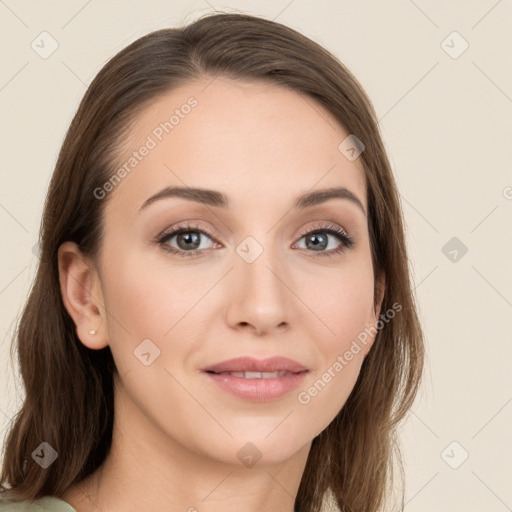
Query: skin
[176,434]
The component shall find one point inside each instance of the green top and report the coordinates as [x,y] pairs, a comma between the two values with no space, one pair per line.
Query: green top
[46,504]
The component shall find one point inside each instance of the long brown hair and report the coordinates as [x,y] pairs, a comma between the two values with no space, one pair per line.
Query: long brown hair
[69,388]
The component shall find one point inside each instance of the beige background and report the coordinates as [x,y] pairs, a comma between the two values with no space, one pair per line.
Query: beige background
[445,122]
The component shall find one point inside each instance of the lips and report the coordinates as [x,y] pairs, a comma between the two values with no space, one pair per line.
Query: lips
[250,367]
[257,380]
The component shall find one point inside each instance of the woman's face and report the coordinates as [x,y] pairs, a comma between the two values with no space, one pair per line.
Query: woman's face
[242,279]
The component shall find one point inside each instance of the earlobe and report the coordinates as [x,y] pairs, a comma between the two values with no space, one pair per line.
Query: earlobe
[81,295]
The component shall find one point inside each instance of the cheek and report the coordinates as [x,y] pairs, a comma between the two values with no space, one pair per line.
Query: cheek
[343,305]
[343,301]
[141,303]
[148,294]
[136,295]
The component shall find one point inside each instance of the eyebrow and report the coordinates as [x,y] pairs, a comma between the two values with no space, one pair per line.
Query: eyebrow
[221,200]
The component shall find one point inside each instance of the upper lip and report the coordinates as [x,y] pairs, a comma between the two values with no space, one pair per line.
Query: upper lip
[250,364]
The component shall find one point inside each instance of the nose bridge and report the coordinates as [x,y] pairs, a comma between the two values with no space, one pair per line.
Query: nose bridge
[260,296]
[259,260]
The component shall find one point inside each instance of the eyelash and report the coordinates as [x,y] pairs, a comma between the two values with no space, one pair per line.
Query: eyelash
[346,241]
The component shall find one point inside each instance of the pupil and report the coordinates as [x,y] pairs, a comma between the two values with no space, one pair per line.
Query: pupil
[315,237]
[187,238]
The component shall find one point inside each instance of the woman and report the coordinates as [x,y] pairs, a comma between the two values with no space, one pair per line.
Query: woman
[266,366]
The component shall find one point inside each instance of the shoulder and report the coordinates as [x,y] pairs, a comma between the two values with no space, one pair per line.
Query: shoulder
[46,504]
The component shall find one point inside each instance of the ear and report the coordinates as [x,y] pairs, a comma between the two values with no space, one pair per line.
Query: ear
[380,288]
[373,317]
[82,296]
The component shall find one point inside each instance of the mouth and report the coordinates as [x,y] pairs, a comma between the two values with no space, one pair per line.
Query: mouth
[257,380]
[259,375]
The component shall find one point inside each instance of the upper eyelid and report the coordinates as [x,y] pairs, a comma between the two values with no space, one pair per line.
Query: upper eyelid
[170,232]
[325,226]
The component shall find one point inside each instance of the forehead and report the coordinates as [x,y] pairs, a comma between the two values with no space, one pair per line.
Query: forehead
[255,141]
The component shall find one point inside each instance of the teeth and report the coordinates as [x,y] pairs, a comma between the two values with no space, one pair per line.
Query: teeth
[257,375]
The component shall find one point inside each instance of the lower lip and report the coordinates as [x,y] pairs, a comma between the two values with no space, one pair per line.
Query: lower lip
[258,390]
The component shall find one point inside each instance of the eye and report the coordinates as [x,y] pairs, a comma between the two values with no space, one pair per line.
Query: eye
[188,239]
[317,239]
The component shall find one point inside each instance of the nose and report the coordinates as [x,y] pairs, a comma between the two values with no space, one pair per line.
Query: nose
[260,296]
